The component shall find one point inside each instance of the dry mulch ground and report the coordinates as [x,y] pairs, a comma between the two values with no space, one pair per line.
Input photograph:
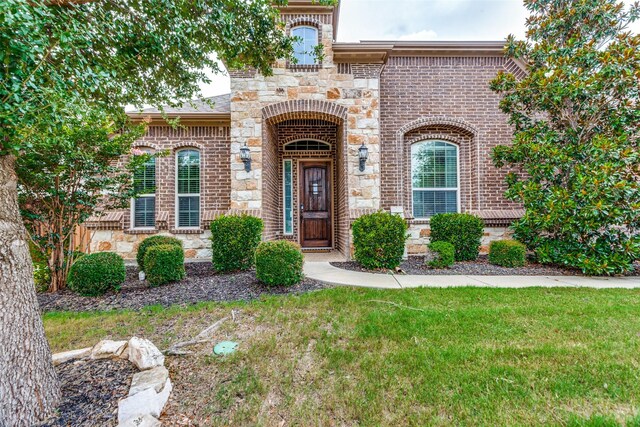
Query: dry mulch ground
[201,284]
[91,391]
[480,267]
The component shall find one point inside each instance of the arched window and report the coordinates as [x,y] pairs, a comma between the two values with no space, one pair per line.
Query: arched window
[434,178]
[143,207]
[188,188]
[307,145]
[303,48]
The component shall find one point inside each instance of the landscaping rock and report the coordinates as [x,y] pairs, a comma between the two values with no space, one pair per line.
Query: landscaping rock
[153,378]
[141,421]
[65,356]
[107,348]
[144,354]
[144,403]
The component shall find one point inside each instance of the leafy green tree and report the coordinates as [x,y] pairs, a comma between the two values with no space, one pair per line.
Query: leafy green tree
[71,174]
[60,53]
[575,157]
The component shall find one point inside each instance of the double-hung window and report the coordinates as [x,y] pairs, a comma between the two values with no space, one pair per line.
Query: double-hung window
[434,178]
[144,205]
[188,188]
[303,48]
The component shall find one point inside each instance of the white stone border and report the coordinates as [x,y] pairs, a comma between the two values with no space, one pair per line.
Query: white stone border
[150,388]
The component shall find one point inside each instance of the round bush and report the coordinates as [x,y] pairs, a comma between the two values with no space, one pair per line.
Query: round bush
[463,231]
[234,239]
[153,241]
[445,254]
[507,253]
[96,274]
[279,263]
[378,240]
[164,264]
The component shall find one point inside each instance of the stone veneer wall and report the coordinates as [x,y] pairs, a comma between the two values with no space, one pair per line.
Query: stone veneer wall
[419,238]
[329,92]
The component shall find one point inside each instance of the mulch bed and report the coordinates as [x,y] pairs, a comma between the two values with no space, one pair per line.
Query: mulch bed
[480,267]
[201,284]
[91,390]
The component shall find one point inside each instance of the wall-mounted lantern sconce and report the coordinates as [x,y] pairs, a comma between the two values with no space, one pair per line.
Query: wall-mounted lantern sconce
[363,155]
[245,156]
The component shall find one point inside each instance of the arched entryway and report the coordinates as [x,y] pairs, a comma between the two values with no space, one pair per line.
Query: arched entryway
[304,174]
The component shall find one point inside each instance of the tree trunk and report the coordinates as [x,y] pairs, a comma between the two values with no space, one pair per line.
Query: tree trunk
[29,389]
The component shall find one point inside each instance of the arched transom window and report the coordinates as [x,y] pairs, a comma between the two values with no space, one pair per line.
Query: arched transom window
[307,145]
[303,48]
[434,178]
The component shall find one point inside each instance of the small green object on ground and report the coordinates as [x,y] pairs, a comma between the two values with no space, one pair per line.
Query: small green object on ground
[225,347]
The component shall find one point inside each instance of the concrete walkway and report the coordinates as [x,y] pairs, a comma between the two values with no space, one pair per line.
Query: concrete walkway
[325,272]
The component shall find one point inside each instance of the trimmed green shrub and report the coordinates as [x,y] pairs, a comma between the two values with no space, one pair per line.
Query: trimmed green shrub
[445,254]
[96,274]
[164,264]
[378,240]
[279,263]
[153,241]
[507,253]
[463,231]
[234,239]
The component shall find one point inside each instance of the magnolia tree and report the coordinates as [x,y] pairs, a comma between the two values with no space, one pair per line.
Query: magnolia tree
[79,170]
[576,146]
[107,54]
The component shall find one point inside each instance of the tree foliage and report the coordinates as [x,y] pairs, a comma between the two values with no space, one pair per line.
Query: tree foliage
[71,174]
[575,157]
[117,53]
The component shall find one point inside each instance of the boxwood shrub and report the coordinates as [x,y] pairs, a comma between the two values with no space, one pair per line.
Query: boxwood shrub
[279,263]
[234,239]
[507,253]
[379,239]
[164,264]
[96,274]
[463,231]
[153,241]
[444,254]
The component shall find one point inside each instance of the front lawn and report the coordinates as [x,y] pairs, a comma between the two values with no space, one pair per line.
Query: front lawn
[466,356]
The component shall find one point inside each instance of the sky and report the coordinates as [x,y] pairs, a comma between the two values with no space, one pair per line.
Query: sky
[421,20]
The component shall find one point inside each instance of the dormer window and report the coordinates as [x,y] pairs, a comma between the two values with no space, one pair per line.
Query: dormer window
[303,48]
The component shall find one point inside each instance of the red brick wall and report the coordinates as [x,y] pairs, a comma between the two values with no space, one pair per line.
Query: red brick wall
[452,95]
[215,173]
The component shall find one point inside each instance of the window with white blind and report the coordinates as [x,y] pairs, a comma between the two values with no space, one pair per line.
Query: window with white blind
[188,188]
[303,47]
[434,177]
[143,209]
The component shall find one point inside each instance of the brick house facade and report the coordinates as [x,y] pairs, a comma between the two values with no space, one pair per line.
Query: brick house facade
[422,110]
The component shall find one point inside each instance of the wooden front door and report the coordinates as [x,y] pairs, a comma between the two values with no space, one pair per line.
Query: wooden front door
[315,204]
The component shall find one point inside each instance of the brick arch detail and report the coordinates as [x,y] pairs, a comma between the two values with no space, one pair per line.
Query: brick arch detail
[144,144]
[182,145]
[459,132]
[304,109]
[303,20]
[440,121]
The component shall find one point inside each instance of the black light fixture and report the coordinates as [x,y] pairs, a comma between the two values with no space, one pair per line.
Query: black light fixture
[363,154]
[245,156]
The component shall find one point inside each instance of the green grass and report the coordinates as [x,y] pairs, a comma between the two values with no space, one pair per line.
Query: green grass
[466,356]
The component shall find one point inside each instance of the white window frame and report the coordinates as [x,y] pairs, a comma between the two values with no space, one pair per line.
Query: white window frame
[132,225]
[284,193]
[178,195]
[312,57]
[457,188]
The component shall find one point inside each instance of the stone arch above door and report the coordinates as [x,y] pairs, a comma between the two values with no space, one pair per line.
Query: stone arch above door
[304,109]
